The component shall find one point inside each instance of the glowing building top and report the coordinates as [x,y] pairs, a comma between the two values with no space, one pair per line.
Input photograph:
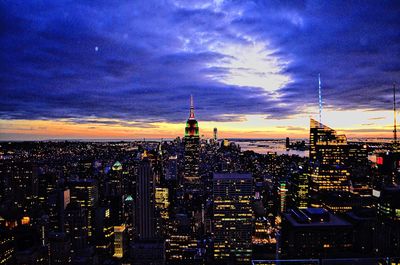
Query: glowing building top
[117,166]
[192,127]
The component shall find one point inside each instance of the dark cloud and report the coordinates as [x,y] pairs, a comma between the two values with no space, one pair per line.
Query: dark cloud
[377,118]
[138,61]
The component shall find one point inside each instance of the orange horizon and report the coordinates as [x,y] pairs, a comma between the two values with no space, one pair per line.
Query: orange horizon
[354,124]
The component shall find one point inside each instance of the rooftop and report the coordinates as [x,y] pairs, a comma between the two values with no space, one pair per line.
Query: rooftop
[232,176]
[314,217]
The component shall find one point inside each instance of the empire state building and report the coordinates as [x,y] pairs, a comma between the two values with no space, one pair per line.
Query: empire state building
[192,147]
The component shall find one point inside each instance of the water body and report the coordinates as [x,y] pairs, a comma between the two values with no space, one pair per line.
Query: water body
[268,146]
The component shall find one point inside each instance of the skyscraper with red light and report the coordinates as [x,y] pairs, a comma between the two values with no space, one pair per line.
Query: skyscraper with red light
[192,147]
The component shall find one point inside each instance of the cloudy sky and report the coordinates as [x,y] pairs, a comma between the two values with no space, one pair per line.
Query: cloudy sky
[126,69]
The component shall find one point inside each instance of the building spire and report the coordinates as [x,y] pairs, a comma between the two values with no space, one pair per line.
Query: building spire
[191,116]
[320,97]
[394,116]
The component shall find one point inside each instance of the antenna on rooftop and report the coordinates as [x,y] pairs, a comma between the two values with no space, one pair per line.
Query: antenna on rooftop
[320,98]
[394,115]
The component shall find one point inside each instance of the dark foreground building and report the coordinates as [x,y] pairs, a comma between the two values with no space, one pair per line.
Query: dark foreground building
[233,214]
[315,233]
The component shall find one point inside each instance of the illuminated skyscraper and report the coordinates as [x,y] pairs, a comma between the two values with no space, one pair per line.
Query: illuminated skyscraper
[24,184]
[171,168]
[192,147]
[119,241]
[233,214]
[115,182]
[162,202]
[282,189]
[328,155]
[300,185]
[57,203]
[104,231]
[161,208]
[85,192]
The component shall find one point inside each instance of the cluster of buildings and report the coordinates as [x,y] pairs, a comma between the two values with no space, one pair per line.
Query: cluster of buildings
[198,201]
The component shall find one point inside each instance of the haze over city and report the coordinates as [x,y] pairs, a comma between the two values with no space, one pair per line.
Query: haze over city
[124,70]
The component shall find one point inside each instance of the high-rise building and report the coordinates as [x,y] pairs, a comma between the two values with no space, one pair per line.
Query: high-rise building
[85,192]
[162,202]
[192,147]
[162,210]
[59,248]
[76,227]
[115,181]
[28,248]
[314,233]
[215,134]
[233,215]
[57,203]
[47,183]
[104,230]
[145,197]
[282,190]
[182,249]
[171,170]
[387,238]
[300,189]
[129,215]
[119,241]
[388,164]
[24,185]
[147,248]
[328,156]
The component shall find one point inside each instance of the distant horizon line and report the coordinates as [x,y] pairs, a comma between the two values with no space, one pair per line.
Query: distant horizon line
[170,139]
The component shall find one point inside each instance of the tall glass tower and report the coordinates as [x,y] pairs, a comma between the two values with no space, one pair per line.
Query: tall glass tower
[233,215]
[328,156]
[192,147]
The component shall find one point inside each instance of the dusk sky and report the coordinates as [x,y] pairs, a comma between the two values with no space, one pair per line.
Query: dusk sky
[126,69]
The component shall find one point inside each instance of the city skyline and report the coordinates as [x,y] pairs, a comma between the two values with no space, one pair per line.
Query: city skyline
[84,71]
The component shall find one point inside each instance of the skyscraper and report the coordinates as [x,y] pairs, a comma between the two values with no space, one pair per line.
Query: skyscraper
[387,235]
[24,184]
[147,248]
[59,248]
[119,241]
[282,190]
[76,227]
[192,147]
[85,192]
[300,189]
[215,134]
[314,233]
[145,198]
[233,214]
[103,231]
[328,156]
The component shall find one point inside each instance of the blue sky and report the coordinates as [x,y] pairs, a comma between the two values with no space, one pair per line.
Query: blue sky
[135,63]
